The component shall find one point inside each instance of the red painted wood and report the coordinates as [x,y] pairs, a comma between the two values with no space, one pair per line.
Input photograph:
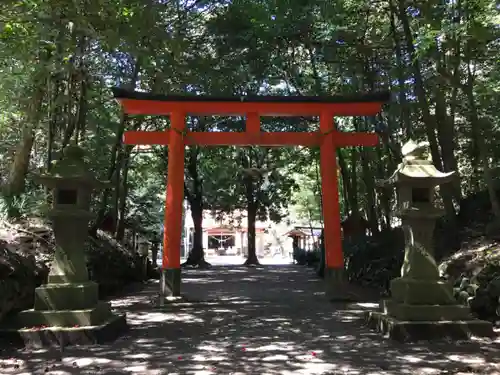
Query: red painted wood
[165,108]
[330,194]
[175,195]
[246,139]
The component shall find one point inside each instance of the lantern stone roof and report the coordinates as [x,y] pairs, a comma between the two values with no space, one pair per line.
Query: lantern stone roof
[72,169]
[417,165]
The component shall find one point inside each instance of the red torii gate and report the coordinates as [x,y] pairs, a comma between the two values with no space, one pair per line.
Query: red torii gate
[252,107]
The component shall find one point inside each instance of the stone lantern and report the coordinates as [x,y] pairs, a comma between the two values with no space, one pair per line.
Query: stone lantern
[69,301]
[143,248]
[422,305]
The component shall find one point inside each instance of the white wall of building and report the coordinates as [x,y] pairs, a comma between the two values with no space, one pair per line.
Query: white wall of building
[273,237]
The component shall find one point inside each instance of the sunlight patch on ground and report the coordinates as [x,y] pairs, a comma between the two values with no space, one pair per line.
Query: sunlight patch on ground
[202,281]
[349,318]
[275,320]
[367,305]
[469,359]
[208,358]
[137,356]
[136,369]
[346,338]
[158,317]
[275,357]
[128,301]
[222,311]
[250,279]
[212,348]
[89,361]
[411,359]
[284,346]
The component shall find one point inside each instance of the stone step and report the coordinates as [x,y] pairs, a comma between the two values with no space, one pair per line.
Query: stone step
[407,312]
[411,331]
[66,296]
[65,318]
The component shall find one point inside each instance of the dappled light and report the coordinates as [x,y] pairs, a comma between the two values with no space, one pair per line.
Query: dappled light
[249,187]
[284,327]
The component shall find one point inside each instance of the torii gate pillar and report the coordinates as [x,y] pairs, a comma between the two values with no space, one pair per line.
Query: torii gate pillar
[171,275]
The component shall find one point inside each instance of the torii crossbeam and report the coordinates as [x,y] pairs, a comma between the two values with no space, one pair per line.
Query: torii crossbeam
[328,138]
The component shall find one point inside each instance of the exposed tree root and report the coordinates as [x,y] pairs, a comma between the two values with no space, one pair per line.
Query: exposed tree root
[198,262]
[251,261]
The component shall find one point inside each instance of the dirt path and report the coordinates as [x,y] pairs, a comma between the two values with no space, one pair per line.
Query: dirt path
[269,320]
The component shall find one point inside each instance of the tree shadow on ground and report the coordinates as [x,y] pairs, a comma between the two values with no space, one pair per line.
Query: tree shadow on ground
[264,320]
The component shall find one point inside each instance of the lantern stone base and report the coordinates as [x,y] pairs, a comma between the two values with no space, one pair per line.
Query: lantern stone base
[422,292]
[66,296]
[338,289]
[408,331]
[425,310]
[38,337]
[171,282]
[64,314]
[66,318]
[403,311]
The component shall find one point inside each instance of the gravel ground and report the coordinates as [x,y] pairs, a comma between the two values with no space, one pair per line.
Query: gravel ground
[264,320]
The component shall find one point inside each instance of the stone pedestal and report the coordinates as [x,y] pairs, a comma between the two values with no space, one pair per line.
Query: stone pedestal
[439,329]
[171,282]
[67,309]
[422,306]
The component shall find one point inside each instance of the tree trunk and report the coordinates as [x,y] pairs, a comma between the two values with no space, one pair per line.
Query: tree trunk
[384,197]
[353,192]
[252,250]
[112,169]
[122,201]
[252,206]
[346,186]
[369,182]
[196,255]
[71,119]
[81,116]
[403,103]
[54,119]
[478,124]
[17,175]
[114,153]
[154,253]
[446,133]
[120,164]
[318,189]
[19,167]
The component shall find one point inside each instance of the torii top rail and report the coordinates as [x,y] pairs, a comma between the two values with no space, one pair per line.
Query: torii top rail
[252,107]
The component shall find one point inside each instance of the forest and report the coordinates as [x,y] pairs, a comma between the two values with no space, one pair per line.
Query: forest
[60,59]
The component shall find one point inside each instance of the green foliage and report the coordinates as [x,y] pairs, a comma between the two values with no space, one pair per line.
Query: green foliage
[307,199]
[146,199]
[26,205]
[374,261]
